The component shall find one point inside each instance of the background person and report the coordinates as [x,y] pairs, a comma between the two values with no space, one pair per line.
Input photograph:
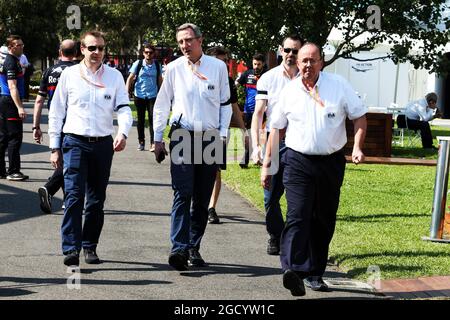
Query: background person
[145,74]
[223,54]
[269,87]
[249,79]
[418,113]
[49,81]
[12,112]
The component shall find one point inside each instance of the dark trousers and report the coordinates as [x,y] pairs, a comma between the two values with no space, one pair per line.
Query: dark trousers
[11,135]
[192,185]
[425,131]
[274,217]
[143,105]
[87,168]
[55,182]
[312,191]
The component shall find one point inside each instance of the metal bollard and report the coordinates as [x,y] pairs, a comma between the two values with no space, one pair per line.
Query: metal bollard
[440,191]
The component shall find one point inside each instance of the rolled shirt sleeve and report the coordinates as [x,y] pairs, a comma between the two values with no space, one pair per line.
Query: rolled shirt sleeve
[225,110]
[122,108]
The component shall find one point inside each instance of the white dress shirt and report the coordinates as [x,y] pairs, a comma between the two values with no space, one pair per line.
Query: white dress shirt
[315,120]
[419,110]
[198,93]
[88,108]
[269,87]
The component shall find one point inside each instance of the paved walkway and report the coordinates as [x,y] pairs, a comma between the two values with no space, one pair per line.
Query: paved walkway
[135,241]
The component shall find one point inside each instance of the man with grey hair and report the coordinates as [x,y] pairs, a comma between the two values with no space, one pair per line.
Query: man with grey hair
[196,87]
[418,113]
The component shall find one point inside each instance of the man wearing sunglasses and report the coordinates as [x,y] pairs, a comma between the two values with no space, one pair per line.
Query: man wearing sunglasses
[269,87]
[146,77]
[82,107]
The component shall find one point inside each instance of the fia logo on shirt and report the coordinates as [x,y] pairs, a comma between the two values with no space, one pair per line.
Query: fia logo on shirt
[331,115]
[210,87]
[107,97]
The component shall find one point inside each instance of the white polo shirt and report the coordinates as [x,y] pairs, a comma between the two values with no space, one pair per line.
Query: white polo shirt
[316,121]
[87,108]
[200,93]
[269,87]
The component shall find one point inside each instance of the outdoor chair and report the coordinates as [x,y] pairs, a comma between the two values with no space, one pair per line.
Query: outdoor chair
[412,136]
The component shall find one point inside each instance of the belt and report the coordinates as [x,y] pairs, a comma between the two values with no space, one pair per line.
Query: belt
[87,139]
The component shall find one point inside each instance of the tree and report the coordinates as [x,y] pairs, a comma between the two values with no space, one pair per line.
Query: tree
[246,26]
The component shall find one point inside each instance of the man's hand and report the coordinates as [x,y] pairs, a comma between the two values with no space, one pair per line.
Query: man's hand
[265,178]
[257,155]
[357,156]
[119,142]
[37,135]
[22,113]
[55,159]
[160,151]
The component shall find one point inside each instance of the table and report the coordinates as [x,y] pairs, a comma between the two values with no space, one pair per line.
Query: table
[378,141]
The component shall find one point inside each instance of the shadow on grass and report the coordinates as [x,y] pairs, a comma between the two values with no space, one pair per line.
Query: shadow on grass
[379,217]
[388,268]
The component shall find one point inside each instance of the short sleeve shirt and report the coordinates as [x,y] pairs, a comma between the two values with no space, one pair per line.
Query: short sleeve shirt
[12,70]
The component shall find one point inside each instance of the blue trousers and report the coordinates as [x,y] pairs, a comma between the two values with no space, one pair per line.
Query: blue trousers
[274,217]
[87,167]
[312,191]
[192,185]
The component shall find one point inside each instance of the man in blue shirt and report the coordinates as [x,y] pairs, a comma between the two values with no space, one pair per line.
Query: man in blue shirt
[249,79]
[146,76]
[12,112]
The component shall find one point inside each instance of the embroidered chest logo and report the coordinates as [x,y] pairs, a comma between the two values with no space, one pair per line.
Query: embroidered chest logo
[107,97]
[210,87]
[331,115]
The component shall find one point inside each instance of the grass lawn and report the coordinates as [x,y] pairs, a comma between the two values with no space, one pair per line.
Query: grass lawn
[384,211]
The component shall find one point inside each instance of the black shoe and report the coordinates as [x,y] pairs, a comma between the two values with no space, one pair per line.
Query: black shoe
[18,176]
[141,147]
[294,283]
[46,200]
[2,175]
[179,260]
[243,165]
[90,256]
[213,218]
[195,259]
[72,258]
[316,283]
[273,246]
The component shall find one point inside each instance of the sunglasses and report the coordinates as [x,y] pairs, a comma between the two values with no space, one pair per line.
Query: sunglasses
[288,50]
[148,52]
[94,48]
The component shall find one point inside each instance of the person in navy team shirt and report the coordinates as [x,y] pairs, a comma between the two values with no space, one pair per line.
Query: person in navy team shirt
[12,112]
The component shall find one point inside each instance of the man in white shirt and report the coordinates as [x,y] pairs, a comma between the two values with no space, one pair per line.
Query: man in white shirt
[196,87]
[418,113]
[312,109]
[82,107]
[269,87]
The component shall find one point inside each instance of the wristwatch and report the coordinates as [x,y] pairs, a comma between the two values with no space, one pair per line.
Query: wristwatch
[55,149]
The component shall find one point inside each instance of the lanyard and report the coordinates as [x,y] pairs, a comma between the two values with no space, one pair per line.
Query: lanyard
[100,74]
[194,70]
[316,96]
